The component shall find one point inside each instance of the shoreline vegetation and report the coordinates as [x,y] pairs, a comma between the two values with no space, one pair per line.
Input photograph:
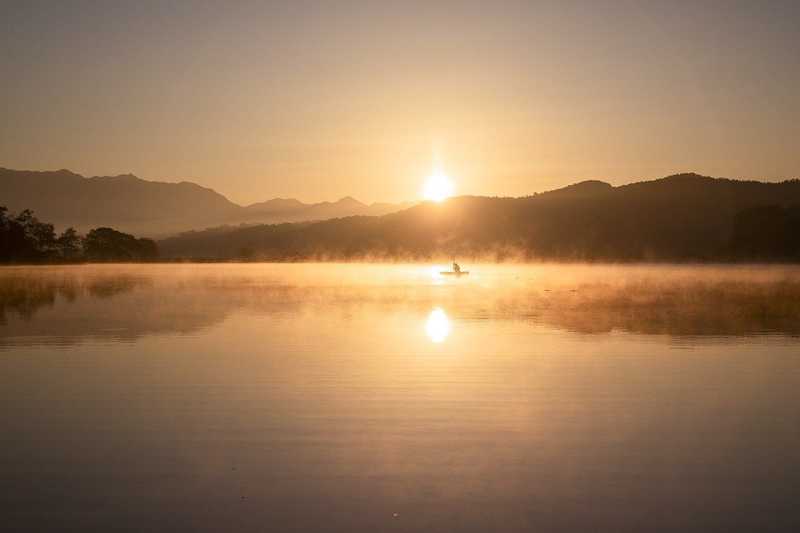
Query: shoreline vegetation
[24,239]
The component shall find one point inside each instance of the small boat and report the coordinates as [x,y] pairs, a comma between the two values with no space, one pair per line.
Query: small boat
[457,272]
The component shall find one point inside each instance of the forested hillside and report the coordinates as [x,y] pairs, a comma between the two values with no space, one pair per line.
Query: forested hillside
[681,217]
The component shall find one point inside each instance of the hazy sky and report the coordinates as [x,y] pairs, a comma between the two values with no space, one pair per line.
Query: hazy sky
[317,100]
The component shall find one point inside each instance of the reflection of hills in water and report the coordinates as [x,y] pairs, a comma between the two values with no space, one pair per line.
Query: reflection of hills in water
[65,305]
[26,294]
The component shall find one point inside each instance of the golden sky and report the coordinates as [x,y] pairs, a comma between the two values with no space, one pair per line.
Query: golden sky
[318,100]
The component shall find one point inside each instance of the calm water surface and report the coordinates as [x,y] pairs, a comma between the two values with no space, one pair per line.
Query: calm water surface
[389,398]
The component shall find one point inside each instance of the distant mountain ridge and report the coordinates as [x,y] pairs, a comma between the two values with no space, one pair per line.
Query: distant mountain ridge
[684,217]
[151,208]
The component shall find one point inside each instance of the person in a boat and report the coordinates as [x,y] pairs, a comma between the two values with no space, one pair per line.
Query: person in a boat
[456,268]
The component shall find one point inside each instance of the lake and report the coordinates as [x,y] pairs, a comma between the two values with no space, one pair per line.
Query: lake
[332,397]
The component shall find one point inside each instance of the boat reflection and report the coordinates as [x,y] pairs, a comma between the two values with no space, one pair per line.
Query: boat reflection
[438,325]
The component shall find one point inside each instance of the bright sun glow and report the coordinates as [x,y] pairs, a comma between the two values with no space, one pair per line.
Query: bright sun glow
[438,325]
[438,187]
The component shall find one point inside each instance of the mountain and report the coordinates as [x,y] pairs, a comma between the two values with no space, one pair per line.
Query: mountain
[291,210]
[151,208]
[681,217]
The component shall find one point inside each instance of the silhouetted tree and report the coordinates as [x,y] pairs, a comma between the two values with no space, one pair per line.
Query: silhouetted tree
[69,245]
[24,238]
[106,244]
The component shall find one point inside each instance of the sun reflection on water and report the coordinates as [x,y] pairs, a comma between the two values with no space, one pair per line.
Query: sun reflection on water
[438,325]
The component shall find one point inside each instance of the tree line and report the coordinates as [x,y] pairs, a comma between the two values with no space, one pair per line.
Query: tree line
[24,238]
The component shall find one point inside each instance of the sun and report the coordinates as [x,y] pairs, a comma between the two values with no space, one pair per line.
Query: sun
[438,187]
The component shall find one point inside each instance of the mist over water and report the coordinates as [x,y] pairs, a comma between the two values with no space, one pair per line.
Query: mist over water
[354,397]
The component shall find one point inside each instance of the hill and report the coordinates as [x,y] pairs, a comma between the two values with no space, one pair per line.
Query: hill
[680,217]
[152,208]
